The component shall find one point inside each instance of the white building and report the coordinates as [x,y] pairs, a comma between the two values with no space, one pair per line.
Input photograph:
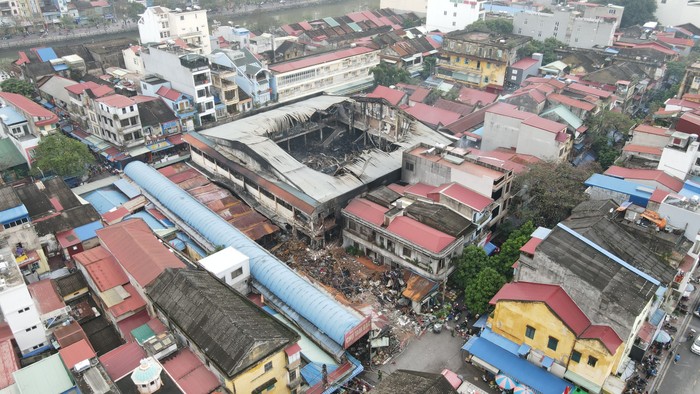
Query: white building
[117,121]
[566,25]
[18,308]
[252,76]
[160,24]
[680,156]
[418,7]
[231,266]
[187,73]
[341,71]
[132,59]
[450,15]
[677,12]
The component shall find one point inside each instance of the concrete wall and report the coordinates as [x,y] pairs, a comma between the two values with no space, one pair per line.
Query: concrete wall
[679,162]
[12,301]
[598,193]
[539,143]
[648,139]
[676,12]
[500,132]
[252,378]
[450,15]
[419,7]
[566,27]
[588,33]
[680,217]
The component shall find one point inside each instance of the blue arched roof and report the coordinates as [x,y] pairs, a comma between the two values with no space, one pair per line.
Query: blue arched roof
[314,305]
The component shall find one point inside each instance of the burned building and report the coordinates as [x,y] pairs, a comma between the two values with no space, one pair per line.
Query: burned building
[303,162]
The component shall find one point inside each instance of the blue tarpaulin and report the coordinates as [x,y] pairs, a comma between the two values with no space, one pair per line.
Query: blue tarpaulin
[519,369]
[490,248]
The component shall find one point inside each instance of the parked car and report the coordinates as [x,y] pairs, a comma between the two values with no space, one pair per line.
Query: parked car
[697,312]
[695,347]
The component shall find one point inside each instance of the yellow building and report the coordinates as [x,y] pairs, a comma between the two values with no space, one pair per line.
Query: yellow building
[478,59]
[247,349]
[560,336]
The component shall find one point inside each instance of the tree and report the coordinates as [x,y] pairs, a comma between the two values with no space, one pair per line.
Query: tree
[479,291]
[510,249]
[637,12]
[606,121]
[549,191]
[388,75]
[547,48]
[63,156]
[498,26]
[18,86]
[68,22]
[428,67]
[467,266]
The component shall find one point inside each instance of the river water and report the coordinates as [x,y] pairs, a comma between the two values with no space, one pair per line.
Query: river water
[258,21]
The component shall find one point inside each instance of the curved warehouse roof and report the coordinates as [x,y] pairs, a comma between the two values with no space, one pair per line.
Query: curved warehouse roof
[314,305]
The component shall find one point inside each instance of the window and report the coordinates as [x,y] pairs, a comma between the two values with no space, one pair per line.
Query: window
[182,17]
[592,361]
[23,310]
[458,59]
[236,273]
[406,252]
[292,375]
[575,356]
[409,166]
[268,366]
[530,332]
[454,14]
[454,23]
[553,343]
[445,13]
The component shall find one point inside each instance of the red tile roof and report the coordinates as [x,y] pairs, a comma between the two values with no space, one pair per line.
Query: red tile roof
[555,83]
[419,95]
[544,124]
[70,334]
[420,234]
[189,373]
[464,195]
[132,322]
[658,195]
[571,102]
[23,58]
[509,110]
[525,63]
[649,129]
[122,360]
[137,250]
[419,189]
[686,42]
[476,97]
[318,59]
[589,90]
[561,305]
[79,88]
[76,353]
[116,101]
[659,176]
[170,94]
[102,267]
[431,115]
[9,363]
[393,96]
[367,210]
[531,245]
[642,149]
[133,303]
[33,109]
[46,296]
[116,215]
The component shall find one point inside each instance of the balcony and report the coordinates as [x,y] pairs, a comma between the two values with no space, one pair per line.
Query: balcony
[201,79]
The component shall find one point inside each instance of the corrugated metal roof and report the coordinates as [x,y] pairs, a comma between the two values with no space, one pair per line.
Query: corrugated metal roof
[122,360]
[306,299]
[48,376]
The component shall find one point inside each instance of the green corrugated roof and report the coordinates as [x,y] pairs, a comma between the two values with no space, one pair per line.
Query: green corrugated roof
[9,155]
[142,333]
[354,26]
[566,116]
[48,376]
[331,22]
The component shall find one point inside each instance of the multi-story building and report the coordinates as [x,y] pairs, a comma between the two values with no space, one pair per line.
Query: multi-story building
[25,122]
[259,354]
[608,12]
[479,59]
[117,121]
[80,102]
[527,133]
[433,165]
[451,15]
[341,71]
[567,26]
[691,80]
[160,24]
[226,89]
[677,12]
[187,73]
[18,308]
[251,75]
[182,104]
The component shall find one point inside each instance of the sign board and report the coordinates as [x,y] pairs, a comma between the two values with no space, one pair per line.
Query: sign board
[357,332]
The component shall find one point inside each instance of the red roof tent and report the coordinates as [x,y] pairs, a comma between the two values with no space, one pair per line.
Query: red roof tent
[393,96]
[9,363]
[431,115]
[46,296]
[420,234]
[190,374]
[102,267]
[122,360]
[561,305]
[137,250]
[659,176]
[75,353]
[524,64]
[318,59]
[571,102]
[33,109]
[462,194]
[476,97]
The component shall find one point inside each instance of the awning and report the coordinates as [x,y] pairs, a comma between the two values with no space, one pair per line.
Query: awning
[500,341]
[524,349]
[646,332]
[483,364]
[547,362]
[517,368]
[418,287]
[583,382]
[158,146]
[481,323]
[138,151]
[175,139]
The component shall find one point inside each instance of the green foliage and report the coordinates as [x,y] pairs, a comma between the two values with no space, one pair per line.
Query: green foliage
[472,261]
[606,121]
[63,156]
[428,67]
[549,191]
[479,291]
[18,86]
[510,249]
[499,26]
[387,75]
[637,12]
[547,48]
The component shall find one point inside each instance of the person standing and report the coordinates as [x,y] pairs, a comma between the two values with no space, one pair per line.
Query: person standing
[677,358]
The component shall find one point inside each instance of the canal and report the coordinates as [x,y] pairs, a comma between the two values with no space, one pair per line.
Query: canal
[256,20]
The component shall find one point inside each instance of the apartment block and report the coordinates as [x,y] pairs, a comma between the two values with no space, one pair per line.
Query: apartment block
[160,24]
[451,15]
[566,25]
